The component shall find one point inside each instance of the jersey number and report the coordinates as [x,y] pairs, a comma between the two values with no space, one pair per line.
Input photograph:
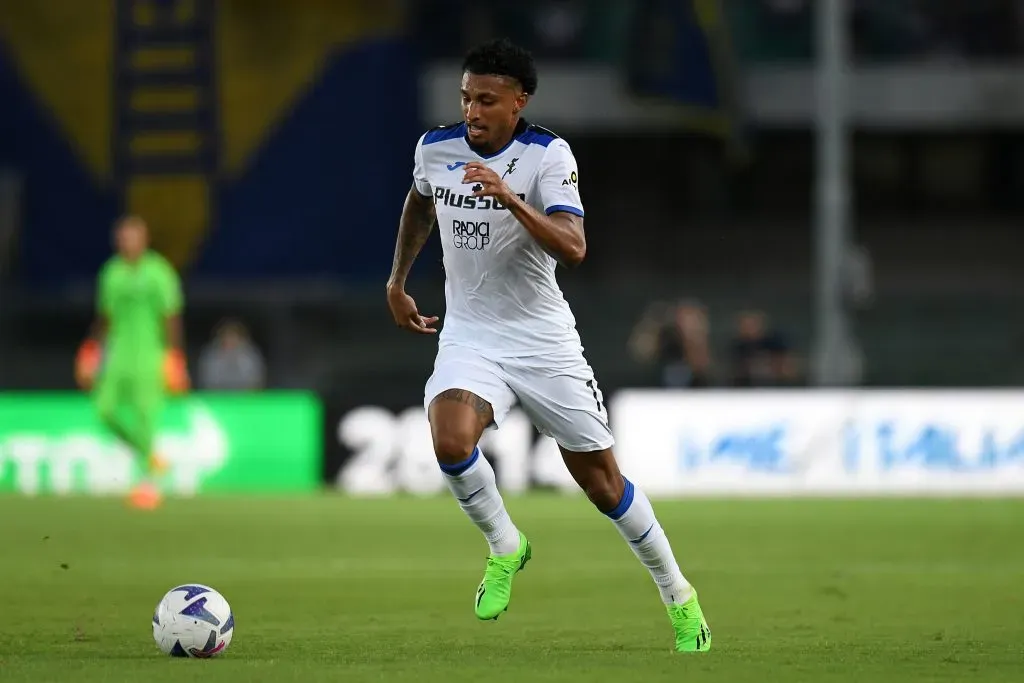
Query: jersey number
[597,396]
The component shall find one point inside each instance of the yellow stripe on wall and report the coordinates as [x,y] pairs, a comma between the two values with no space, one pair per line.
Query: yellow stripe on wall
[164,99]
[64,50]
[270,51]
[167,142]
[176,208]
[152,58]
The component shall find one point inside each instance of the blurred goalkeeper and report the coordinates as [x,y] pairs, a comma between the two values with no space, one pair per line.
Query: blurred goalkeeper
[134,356]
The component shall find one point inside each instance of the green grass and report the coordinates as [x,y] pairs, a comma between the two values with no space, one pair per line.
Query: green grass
[334,589]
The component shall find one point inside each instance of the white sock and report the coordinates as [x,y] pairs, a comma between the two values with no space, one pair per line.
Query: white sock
[473,484]
[635,520]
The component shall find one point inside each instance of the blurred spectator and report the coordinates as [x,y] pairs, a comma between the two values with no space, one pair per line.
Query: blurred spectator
[231,361]
[761,356]
[676,338]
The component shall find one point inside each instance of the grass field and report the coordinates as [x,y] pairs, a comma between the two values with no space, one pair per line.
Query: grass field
[334,589]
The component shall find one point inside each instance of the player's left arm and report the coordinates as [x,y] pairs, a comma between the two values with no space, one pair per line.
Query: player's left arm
[172,303]
[559,229]
[174,331]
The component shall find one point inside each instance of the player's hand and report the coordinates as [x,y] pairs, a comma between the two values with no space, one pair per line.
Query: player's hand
[406,315]
[176,372]
[87,363]
[487,183]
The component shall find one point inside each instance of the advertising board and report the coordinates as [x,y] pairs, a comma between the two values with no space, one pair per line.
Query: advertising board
[265,442]
[793,442]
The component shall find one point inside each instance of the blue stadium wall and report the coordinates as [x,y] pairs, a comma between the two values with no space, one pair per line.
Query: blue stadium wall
[313,188]
[65,213]
[323,195]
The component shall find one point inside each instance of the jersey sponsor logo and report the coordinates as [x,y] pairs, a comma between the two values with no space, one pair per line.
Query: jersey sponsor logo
[457,164]
[571,180]
[471,234]
[444,195]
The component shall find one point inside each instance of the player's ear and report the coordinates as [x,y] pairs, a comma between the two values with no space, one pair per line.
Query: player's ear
[521,101]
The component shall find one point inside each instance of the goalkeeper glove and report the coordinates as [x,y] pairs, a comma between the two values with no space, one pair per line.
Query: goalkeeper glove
[88,361]
[176,371]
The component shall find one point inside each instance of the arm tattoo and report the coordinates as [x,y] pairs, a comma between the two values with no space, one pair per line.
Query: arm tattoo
[413,230]
[479,405]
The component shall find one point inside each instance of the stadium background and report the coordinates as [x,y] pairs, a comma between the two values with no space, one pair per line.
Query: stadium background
[269,145]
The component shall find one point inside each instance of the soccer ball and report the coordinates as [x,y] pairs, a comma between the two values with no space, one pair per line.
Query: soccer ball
[193,620]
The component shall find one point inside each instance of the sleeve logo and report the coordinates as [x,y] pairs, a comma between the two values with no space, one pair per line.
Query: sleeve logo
[571,180]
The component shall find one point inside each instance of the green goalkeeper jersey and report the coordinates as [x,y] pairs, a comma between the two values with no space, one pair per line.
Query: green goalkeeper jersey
[136,299]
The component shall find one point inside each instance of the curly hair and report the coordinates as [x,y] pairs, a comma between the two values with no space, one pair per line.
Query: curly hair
[503,58]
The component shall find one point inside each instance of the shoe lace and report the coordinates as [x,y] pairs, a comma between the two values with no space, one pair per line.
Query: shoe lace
[680,612]
[496,570]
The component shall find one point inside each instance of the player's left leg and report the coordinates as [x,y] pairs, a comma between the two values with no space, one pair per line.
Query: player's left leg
[147,399]
[150,404]
[563,401]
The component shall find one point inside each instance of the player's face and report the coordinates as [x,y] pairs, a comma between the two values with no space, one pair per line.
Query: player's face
[490,107]
[131,239]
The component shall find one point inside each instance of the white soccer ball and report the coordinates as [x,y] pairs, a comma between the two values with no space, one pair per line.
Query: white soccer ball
[193,620]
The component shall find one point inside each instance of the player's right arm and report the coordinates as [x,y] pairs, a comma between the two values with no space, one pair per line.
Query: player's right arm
[413,230]
[90,353]
[104,305]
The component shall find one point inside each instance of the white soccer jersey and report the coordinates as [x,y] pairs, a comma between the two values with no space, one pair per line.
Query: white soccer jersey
[501,294]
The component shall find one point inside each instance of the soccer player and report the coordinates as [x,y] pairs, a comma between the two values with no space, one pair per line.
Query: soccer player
[134,355]
[505,195]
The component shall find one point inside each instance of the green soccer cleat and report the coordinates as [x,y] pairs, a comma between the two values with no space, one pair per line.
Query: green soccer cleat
[495,590]
[692,632]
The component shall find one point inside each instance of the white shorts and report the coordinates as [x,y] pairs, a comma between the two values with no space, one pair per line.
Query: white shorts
[560,396]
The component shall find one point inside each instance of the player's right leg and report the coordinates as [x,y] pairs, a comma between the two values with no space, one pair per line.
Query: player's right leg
[463,398]
[148,400]
[107,396]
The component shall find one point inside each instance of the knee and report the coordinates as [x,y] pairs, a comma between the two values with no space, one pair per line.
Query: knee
[453,446]
[598,475]
[604,489]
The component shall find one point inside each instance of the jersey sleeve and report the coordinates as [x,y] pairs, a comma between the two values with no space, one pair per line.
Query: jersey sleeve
[104,292]
[559,180]
[419,170]
[171,300]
